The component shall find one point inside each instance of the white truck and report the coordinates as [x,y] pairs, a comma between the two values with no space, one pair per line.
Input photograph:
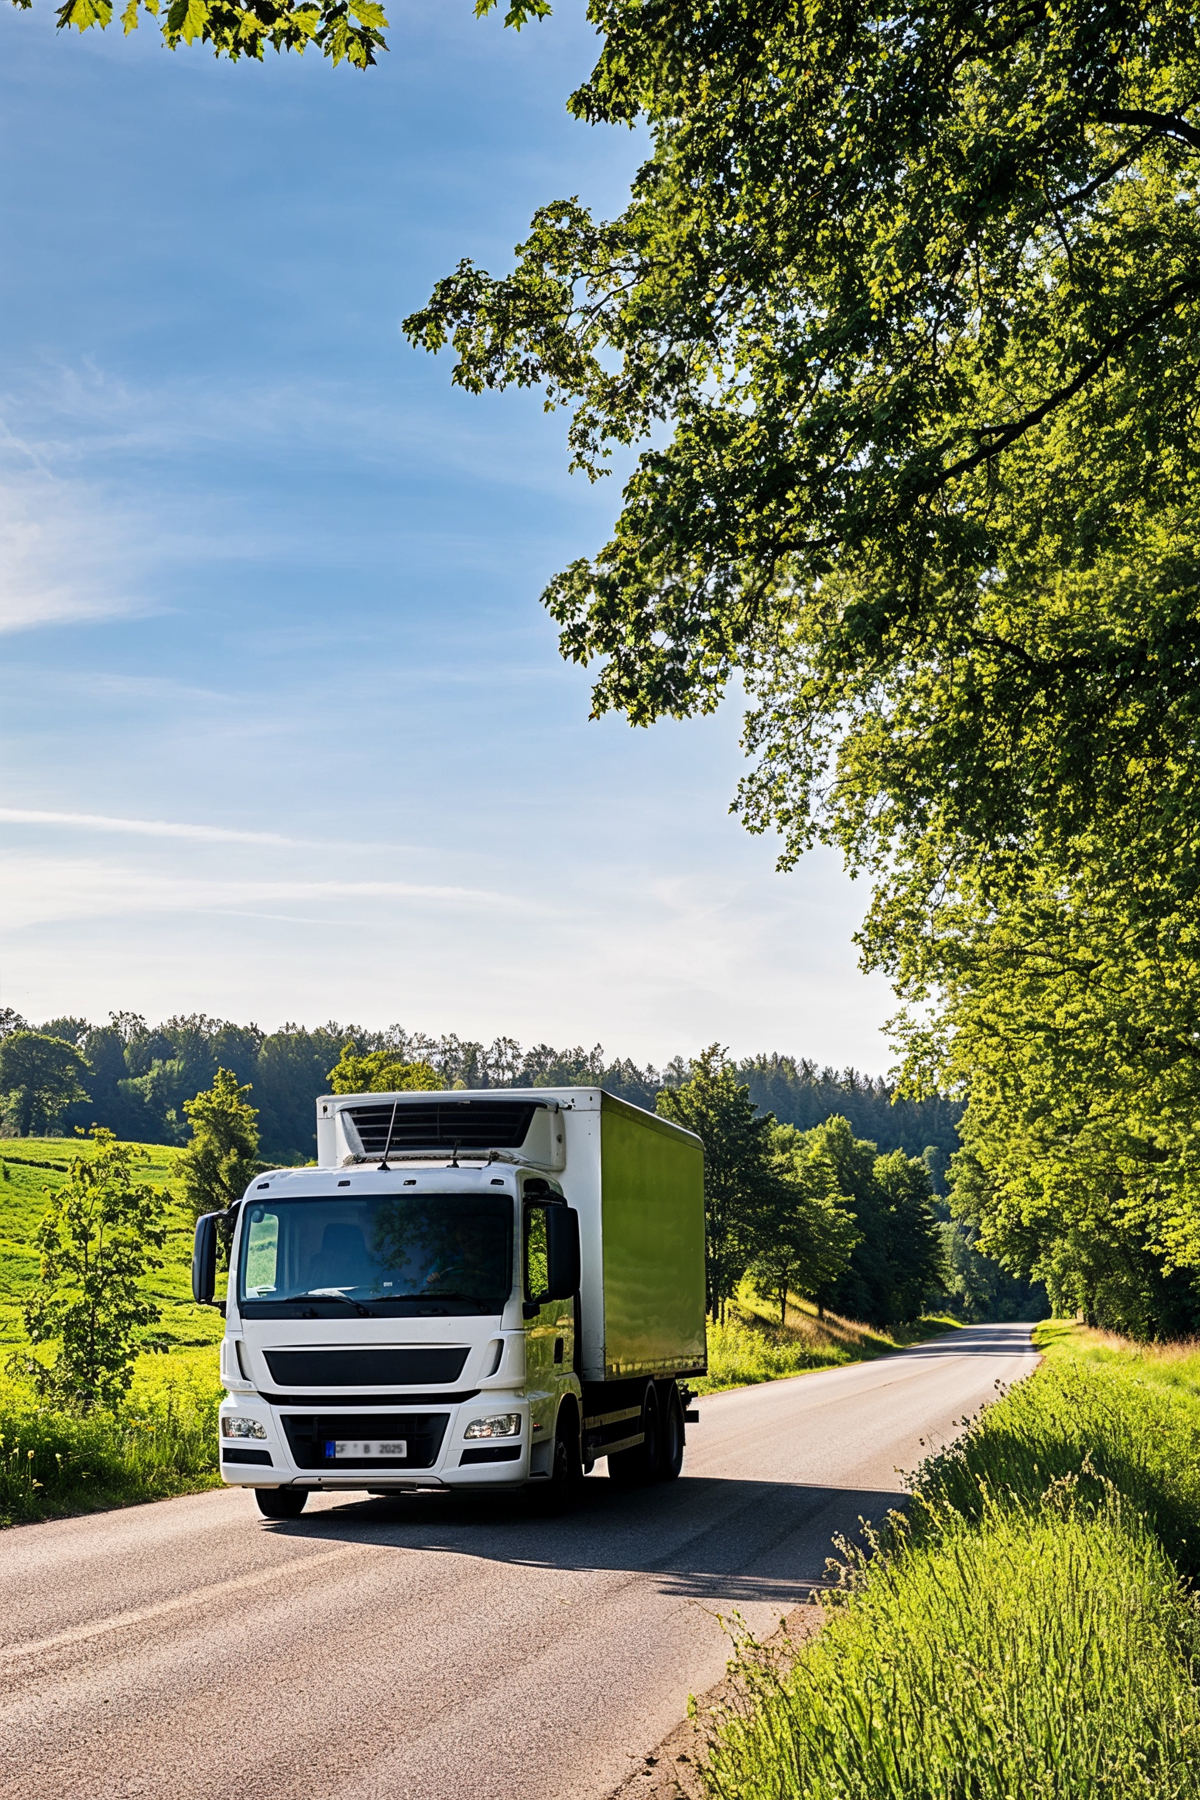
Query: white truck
[470,1290]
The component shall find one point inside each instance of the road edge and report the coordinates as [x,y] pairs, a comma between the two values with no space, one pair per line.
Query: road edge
[672,1770]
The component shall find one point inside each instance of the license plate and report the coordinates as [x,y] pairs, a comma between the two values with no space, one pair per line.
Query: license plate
[358,1450]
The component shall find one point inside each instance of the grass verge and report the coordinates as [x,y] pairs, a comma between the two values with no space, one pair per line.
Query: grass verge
[1028,1629]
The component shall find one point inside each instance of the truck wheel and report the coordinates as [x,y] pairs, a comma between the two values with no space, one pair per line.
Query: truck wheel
[563,1491]
[671,1448]
[281,1503]
[640,1466]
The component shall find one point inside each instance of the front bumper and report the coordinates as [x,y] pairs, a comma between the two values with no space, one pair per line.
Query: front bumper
[293,1449]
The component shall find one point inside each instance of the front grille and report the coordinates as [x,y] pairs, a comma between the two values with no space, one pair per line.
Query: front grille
[442,1124]
[365,1368]
[308,1434]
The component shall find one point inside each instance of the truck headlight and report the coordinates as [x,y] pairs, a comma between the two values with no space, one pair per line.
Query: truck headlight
[237,1425]
[498,1425]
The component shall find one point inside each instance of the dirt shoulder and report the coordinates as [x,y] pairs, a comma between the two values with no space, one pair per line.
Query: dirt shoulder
[672,1770]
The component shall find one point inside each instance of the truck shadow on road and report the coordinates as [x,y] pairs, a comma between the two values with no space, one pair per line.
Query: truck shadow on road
[732,1541]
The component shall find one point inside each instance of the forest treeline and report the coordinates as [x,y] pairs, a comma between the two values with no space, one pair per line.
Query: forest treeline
[138,1077]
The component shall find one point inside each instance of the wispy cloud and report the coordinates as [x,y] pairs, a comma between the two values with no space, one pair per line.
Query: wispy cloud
[156,828]
[42,890]
[64,554]
[72,548]
[75,414]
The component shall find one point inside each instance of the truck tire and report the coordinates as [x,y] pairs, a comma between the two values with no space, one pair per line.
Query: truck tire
[281,1503]
[640,1466]
[670,1452]
[564,1490]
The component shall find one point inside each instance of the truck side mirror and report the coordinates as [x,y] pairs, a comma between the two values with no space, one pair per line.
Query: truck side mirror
[204,1259]
[562,1251]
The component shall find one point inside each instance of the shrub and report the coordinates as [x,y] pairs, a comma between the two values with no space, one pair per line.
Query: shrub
[97,1239]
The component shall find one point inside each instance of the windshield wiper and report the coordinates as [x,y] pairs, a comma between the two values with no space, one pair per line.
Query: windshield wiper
[333,1299]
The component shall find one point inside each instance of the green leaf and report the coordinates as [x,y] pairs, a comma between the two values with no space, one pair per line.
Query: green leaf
[83,14]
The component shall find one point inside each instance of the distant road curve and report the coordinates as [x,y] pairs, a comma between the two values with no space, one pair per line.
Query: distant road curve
[429,1649]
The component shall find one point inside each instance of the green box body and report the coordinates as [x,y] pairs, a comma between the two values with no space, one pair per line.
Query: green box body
[638,1184]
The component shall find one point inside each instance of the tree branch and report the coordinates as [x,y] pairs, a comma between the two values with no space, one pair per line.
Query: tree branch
[1163,124]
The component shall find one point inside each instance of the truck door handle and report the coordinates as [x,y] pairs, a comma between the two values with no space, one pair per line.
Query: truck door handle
[558,1350]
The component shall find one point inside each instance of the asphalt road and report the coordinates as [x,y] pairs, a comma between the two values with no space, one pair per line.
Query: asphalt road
[429,1649]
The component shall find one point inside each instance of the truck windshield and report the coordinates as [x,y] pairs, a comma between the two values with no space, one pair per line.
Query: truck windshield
[378,1252]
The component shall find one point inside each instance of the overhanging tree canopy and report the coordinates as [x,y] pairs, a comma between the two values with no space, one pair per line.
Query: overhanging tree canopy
[907,295]
[904,319]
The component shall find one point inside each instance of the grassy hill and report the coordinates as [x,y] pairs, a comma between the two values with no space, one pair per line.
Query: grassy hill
[32,1167]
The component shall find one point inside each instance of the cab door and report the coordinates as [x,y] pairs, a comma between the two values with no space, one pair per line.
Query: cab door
[549,1333]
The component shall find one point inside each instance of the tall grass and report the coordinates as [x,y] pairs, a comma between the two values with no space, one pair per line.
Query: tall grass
[1026,1631]
[1049,1655]
[742,1351]
[1101,1425]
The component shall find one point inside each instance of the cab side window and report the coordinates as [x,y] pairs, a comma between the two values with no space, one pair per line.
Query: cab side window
[537,1266]
[261,1253]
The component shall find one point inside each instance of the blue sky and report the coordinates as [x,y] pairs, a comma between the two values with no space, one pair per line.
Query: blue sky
[286,734]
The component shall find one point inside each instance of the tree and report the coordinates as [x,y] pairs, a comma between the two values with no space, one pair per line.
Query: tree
[141,1074]
[39,1076]
[380,1072]
[97,1239]
[291,1070]
[800,1093]
[741,1183]
[915,1252]
[341,29]
[808,1238]
[907,304]
[897,1264]
[879,264]
[1067,1015]
[222,1159]
[930,477]
[978,1288]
